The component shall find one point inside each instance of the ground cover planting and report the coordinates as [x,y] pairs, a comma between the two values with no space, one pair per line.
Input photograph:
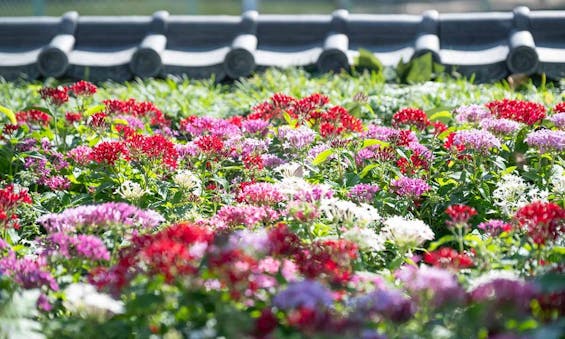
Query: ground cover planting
[282,206]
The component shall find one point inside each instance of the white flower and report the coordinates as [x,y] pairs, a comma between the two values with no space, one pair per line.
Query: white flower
[188,181]
[292,185]
[130,190]
[365,238]
[292,169]
[406,232]
[83,299]
[512,193]
[345,211]
[558,179]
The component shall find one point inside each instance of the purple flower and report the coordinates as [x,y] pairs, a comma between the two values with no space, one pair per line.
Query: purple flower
[306,293]
[363,192]
[247,215]
[253,146]
[505,293]
[27,145]
[132,121]
[106,214]
[410,187]
[471,113]
[198,126]
[91,247]
[296,138]
[255,126]
[271,160]
[494,227]
[546,140]
[57,183]
[188,150]
[43,303]
[500,126]
[389,303]
[68,246]
[422,150]
[80,154]
[250,241]
[38,166]
[441,283]
[558,120]
[476,139]
[27,272]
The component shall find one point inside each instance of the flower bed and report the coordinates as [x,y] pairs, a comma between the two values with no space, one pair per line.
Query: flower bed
[296,219]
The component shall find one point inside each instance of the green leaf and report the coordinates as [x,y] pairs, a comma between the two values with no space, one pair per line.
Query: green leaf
[373,142]
[443,116]
[420,69]
[441,241]
[289,120]
[366,170]
[367,60]
[323,156]
[94,109]
[9,114]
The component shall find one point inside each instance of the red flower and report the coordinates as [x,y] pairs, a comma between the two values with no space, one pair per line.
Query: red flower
[446,257]
[543,220]
[9,129]
[559,108]
[331,259]
[283,241]
[439,127]
[56,96]
[82,88]
[210,143]
[72,117]
[253,161]
[155,147]
[265,324]
[137,109]
[410,116]
[108,152]
[33,116]
[518,110]
[274,109]
[98,120]
[460,214]
[10,199]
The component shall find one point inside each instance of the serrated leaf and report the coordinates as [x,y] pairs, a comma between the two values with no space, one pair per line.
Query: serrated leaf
[9,114]
[322,157]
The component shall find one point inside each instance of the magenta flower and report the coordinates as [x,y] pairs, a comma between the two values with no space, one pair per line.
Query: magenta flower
[476,139]
[546,140]
[102,215]
[410,187]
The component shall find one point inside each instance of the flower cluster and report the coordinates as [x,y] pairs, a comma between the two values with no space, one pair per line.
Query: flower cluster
[295,220]
[518,110]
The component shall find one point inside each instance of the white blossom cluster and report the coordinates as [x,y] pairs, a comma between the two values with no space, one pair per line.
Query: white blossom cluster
[130,190]
[85,301]
[512,192]
[406,232]
[188,181]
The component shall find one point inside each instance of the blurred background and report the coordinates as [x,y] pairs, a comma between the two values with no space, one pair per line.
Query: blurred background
[234,7]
